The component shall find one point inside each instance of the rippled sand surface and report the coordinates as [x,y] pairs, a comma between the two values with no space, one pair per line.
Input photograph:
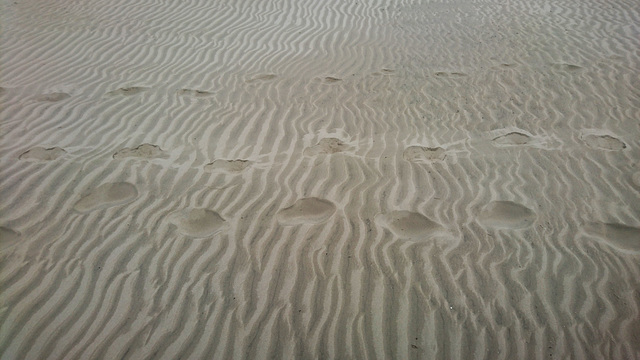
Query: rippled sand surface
[320,179]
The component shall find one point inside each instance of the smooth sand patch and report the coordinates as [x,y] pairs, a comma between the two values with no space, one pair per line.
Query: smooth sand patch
[42,154]
[197,223]
[326,146]
[307,211]
[195,93]
[144,151]
[52,97]
[421,154]
[410,225]
[506,215]
[107,195]
[512,138]
[635,179]
[8,237]
[604,142]
[228,166]
[620,236]
[128,91]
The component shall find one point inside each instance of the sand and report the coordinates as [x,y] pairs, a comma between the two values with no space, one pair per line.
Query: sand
[320,179]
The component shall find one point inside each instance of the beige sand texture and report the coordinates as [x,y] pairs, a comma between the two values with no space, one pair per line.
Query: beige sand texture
[306,179]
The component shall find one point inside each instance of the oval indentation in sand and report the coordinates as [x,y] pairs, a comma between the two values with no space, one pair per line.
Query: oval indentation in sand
[410,225]
[605,142]
[195,93]
[619,235]
[331,80]
[145,151]
[635,179]
[41,154]
[421,154]
[8,236]
[53,97]
[229,166]
[107,195]
[198,223]
[307,211]
[450,74]
[326,146]
[566,67]
[506,215]
[127,91]
[512,138]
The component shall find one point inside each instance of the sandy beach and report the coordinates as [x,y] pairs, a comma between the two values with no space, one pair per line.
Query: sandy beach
[331,179]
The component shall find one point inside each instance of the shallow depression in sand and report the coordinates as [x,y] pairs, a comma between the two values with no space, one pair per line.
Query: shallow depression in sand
[144,151]
[197,223]
[635,179]
[107,195]
[619,235]
[409,225]
[229,166]
[506,215]
[604,142]
[307,211]
[41,154]
[53,97]
[512,138]
[195,93]
[128,91]
[420,154]
[8,237]
[326,146]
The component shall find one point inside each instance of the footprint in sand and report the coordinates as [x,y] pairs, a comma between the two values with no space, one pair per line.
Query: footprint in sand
[195,93]
[262,77]
[128,91]
[197,223]
[450,74]
[307,211]
[604,142]
[621,236]
[331,80]
[410,225]
[512,138]
[383,72]
[635,179]
[107,195]
[52,97]
[566,67]
[144,151]
[8,237]
[423,155]
[506,215]
[326,146]
[42,154]
[228,166]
